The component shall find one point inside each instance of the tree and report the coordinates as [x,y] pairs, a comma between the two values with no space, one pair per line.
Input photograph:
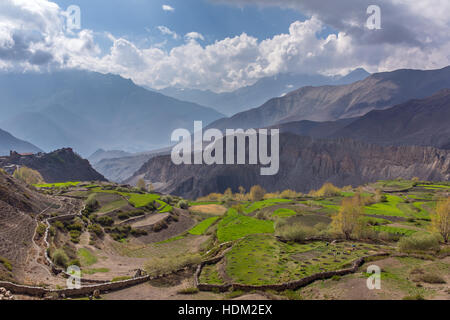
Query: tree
[28,176]
[141,185]
[257,193]
[440,219]
[328,190]
[242,190]
[349,217]
[150,187]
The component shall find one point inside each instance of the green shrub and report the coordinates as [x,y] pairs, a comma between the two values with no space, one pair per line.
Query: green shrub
[91,203]
[105,221]
[60,258]
[96,229]
[123,216]
[183,204]
[419,242]
[138,232]
[432,278]
[40,230]
[192,290]
[6,263]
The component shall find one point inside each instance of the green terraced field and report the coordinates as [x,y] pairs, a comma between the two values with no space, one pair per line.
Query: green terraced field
[235,226]
[57,185]
[261,259]
[201,228]
[284,213]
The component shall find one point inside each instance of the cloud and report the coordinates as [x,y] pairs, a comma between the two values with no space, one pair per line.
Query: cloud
[32,34]
[413,35]
[194,36]
[166,31]
[166,7]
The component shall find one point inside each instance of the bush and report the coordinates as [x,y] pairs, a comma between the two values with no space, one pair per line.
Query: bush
[28,176]
[257,193]
[432,278]
[6,263]
[60,258]
[105,221]
[192,290]
[96,229]
[40,230]
[183,204]
[295,232]
[75,236]
[419,242]
[91,204]
[159,226]
[327,190]
[123,216]
[138,232]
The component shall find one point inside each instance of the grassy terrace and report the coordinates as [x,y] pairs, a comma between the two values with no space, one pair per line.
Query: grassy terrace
[203,226]
[261,259]
[235,226]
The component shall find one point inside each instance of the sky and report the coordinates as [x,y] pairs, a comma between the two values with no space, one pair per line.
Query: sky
[222,45]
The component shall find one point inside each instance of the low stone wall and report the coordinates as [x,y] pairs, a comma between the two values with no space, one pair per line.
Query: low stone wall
[84,290]
[292,285]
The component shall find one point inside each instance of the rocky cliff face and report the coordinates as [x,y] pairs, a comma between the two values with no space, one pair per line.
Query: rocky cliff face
[59,166]
[305,164]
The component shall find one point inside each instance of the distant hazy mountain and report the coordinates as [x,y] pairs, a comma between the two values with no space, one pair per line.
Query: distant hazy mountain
[8,142]
[305,164]
[253,96]
[120,168]
[101,154]
[88,111]
[58,166]
[329,103]
[424,122]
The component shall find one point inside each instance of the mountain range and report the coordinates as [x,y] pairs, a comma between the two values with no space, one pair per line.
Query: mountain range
[423,122]
[255,95]
[87,111]
[329,103]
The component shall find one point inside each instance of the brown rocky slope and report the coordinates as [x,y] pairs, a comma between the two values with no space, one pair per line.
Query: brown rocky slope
[305,164]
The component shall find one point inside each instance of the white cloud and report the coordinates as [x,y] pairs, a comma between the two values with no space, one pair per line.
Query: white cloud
[166,31]
[194,36]
[166,7]
[32,37]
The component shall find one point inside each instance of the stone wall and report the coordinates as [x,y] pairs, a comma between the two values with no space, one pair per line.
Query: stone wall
[292,285]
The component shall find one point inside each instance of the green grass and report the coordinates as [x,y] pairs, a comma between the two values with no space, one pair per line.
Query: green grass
[139,200]
[210,275]
[6,263]
[262,260]
[57,185]
[395,230]
[113,206]
[284,213]
[123,278]
[201,228]
[258,205]
[87,258]
[388,208]
[94,271]
[235,226]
